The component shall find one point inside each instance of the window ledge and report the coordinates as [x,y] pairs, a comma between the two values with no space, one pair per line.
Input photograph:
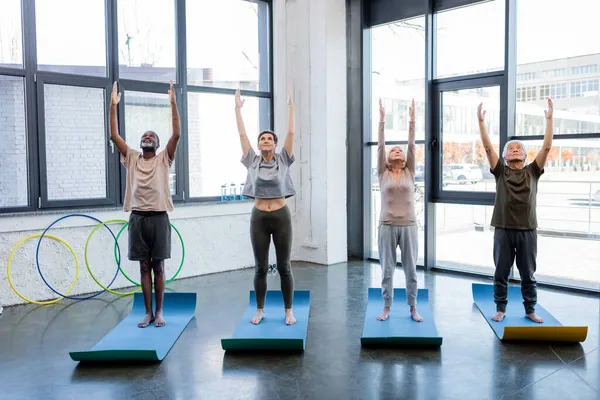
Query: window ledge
[39,220]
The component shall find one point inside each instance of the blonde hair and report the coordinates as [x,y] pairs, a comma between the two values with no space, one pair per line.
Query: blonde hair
[387,158]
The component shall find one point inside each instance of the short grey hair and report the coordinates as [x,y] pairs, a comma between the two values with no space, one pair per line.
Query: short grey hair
[505,151]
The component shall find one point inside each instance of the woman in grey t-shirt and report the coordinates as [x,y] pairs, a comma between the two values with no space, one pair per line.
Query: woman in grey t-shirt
[269,183]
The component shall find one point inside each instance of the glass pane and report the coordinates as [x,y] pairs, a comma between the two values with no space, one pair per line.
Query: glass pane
[217,55]
[147,40]
[568,71]
[471,39]
[419,200]
[568,199]
[13,135]
[76,142]
[11,44]
[150,112]
[460,225]
[396,81]
[214,141]
[464,162]
[71,36]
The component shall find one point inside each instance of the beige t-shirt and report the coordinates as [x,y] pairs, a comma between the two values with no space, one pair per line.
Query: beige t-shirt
[147,184]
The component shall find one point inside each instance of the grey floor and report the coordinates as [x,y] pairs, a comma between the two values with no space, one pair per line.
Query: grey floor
[471,364]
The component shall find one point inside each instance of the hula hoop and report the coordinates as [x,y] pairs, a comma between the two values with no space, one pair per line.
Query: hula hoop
[87,264]
[180,265]
[42,303]
[37,257]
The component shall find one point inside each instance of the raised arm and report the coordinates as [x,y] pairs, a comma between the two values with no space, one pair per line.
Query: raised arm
[239,103]
[174,139]
[412,148]
[289,139]
[381,156]
[485,139]
[540,159]
[114,123]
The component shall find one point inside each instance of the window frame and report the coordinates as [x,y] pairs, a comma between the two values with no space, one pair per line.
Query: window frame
[35,80]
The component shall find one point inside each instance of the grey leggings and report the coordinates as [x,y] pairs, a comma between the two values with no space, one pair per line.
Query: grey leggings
[263,224]
[390,237]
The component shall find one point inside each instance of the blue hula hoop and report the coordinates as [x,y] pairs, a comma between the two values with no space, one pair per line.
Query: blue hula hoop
[37,258]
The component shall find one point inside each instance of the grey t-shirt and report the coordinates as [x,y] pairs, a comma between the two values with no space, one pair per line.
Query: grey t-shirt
[268,179]
[516,193]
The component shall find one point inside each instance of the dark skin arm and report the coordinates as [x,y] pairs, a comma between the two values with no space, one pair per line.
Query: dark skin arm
[114,123]
[174,139]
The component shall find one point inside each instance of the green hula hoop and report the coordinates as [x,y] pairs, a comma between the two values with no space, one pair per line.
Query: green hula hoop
[87,242]
[180,265]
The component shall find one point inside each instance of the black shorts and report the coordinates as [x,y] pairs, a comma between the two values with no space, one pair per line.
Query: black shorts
[149,236]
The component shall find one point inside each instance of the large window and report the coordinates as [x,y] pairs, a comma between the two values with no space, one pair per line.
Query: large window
[470,39]
[13,136]
[11,45]
[567,70]
[397,81]
[464,239]
[213,140]
[398,76]
[150,112]
[231,52]
[147,40]
[465,166]
[472,57]
[61,44]
[58,62]
[75,137]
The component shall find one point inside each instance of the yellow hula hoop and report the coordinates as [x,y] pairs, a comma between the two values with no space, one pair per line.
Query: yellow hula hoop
[87,242]
[43,303]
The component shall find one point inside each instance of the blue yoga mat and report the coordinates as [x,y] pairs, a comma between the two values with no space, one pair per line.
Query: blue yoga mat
[515,326]
[272,333]
[128,342]
[399,328]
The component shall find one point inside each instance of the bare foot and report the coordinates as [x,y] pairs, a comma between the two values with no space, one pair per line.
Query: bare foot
[289,317]
[148,318]
[498,317]
[385,314]
[160,321]
[534,318]
[260,314]
[415,315]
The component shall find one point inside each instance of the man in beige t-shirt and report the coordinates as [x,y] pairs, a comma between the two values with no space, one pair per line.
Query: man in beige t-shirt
[148,197]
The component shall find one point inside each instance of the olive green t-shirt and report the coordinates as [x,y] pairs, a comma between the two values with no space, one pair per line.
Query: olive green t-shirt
[516,192]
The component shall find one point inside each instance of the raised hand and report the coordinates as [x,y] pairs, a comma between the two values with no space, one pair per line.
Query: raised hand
[480,112]
[290,100]
[550,111]
[116,96]
[239,103]
[381,111]
[172,98]
[411,111]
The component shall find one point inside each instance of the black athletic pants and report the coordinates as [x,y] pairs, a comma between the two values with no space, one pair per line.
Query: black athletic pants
[511,244]
[263,225]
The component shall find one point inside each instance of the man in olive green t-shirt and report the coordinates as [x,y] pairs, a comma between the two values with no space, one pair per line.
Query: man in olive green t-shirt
[514,217]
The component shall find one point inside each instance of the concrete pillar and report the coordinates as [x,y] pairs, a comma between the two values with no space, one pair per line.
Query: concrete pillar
[310,58]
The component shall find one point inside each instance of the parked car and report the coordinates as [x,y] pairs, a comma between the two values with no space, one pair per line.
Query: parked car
[464,173]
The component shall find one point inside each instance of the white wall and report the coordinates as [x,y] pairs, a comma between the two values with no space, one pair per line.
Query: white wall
[310,56]
[216,239]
